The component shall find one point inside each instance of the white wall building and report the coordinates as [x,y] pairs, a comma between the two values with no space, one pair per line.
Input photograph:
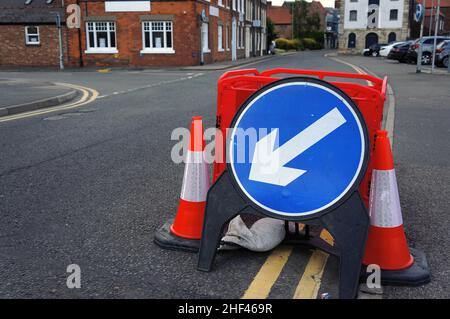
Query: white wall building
[366,22]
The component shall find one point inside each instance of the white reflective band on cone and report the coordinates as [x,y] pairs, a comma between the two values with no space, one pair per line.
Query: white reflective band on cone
[384,206]
[195,179]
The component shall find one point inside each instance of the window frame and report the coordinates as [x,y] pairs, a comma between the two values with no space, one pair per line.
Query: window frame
[27,34]
[109,30]
[350,16]
[151,49]
[220,47]
[205,48]
[396,15]
[227,38]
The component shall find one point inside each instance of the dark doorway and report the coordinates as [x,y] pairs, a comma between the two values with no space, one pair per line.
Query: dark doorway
[371,38]
[392,37]
[351,40]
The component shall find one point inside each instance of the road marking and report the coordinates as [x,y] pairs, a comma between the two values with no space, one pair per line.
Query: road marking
[88,95]
[390,116]
[309,284]
[190,77]
[268,274]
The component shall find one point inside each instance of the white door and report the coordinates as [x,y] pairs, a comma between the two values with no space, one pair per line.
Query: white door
[233,40]
[247,42]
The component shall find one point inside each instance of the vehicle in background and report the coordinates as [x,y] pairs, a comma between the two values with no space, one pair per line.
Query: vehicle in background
[427,48]
[374,49]
[384,50]
[399,51]
[365,52]
[442,53]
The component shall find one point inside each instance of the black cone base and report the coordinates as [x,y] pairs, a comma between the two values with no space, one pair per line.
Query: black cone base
[165,239]
[416,275]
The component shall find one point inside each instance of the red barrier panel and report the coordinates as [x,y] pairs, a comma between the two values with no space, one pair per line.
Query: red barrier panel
[235,87]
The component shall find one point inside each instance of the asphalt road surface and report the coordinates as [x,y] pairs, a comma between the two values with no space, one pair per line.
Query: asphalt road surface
[91,185]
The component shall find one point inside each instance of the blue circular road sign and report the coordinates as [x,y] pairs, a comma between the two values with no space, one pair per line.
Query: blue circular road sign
[418,15]
[297,147]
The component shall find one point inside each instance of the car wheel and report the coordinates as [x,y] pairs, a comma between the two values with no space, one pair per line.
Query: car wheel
[445,62]
[426,58]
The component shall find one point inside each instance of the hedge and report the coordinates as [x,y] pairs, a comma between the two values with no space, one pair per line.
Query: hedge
[286,44]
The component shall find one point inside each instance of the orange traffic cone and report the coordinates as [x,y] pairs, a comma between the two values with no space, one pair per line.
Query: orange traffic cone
[189,220]
[186,230]
[386,244]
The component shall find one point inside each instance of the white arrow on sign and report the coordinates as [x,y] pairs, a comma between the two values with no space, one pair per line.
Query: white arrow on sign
[268,164]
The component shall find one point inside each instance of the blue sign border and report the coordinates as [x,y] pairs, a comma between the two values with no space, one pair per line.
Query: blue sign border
[353,185]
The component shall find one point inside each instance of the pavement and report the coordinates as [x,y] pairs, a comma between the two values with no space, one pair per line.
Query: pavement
[421,156]
[21,95]
[91,184]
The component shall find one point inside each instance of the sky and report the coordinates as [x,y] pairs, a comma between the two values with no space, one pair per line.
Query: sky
[325,3]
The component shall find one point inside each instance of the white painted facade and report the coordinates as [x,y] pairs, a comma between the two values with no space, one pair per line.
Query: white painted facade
[362,8]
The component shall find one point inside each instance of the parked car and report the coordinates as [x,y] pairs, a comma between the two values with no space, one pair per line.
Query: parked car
[384,50]
[374,49]
[442,53]
[427,48]
[399,52]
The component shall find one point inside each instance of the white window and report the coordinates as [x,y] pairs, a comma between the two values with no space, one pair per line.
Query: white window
[241,37]
[234,5]
[157,37]
[227,32]
[220,38]
[101,37]
[32,35]
[220,3]
[205,37]
[353,15]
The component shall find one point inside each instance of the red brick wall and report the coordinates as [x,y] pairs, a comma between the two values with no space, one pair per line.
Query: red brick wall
[14,51]
[283,30]
[186,36]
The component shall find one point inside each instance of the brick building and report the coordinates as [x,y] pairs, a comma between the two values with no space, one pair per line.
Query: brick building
[28,33]
[140,33]
[281,18]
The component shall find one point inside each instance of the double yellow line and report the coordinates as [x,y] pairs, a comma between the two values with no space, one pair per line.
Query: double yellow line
[308,284]
[88,95]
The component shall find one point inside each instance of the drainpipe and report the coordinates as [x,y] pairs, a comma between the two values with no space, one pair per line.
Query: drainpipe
[79,40]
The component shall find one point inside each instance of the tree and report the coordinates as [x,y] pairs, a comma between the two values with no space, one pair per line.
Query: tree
[313,22]
[299,11]
[271,34]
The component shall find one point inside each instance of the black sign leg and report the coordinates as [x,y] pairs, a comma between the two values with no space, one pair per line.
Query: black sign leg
[348,225]
[223,203]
